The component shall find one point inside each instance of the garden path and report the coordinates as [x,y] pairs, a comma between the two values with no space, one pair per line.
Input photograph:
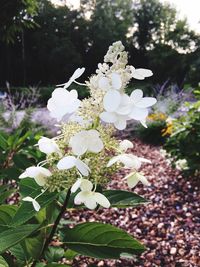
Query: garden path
[169,226]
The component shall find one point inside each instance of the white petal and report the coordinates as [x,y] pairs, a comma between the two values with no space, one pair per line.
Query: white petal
[139,114]
[80,198]
[111,100]
[108,117]
[130,161]
[102,200]
[143,179]
[124,110]
[144,123]
[146,102]
[90,202]
[136,96]
[40,180]
[144,160]
[125,105]
[93,133]
[36,205]
[29,199]
[23,175]
[116,81]
[48,146]
[59,93]
[78,72]
[125,144]
[82,167]
[45,171]
[95,146]
[113,161]
[78,143]
[120,124]
[86,185]
[103,83]
[76,185]
[132,180]
[38,173]
[66,163]
[140,74]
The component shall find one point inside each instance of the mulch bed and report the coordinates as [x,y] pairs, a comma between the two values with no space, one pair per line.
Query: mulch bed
[169,226]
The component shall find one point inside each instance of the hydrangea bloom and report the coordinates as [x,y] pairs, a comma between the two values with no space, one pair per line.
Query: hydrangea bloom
[139,105]
[86,141]
[134,178]
[40,174]
[78,72]
[70,162]
[140,74]
[62,103]
[86,146]
[48,146]
[90,198]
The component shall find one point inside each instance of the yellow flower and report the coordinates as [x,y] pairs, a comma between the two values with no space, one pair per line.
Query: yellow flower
[168,130]
[157,116]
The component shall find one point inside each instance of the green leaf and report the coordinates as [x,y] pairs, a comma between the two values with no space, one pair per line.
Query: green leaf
[102,241]
[19,254]
[6,214]
[3,263]
[3,142]
[32,246]
[123,199]
[70,254]
[54,254]
[3,188]
[13,236]
[29,187]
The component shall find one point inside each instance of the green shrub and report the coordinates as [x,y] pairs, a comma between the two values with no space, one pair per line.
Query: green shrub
[184,142]
[154,133]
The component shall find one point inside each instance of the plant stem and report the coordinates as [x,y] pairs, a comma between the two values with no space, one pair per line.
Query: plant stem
[55,225]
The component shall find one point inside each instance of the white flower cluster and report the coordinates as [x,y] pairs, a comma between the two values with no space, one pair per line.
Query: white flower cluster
[108,105]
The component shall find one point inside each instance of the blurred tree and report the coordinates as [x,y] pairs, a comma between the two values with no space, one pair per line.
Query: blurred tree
[66,39]
[51,52]
[157,23]
[109,21]
[15,16]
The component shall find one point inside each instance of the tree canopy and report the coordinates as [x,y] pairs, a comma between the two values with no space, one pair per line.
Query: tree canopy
[43,43]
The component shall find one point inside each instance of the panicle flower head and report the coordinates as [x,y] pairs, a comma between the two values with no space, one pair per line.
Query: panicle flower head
[86,146]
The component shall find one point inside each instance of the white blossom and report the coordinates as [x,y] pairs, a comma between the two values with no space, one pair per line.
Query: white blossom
[117,107]
[113,82]
[90,198]
[181,164]
[48,146]
[134,178]
[139,105]
[63,103]
[78,72]
[40,174]
[128,160]
[34,202]
[69,162]
[140,74]
[125,145]
[86,141]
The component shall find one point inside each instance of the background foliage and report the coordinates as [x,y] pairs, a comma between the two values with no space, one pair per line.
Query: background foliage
[43,44]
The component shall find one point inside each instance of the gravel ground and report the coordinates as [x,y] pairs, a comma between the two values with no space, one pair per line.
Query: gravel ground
[169,226]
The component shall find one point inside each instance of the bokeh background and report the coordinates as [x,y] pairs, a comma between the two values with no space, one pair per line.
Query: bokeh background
[43,42]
